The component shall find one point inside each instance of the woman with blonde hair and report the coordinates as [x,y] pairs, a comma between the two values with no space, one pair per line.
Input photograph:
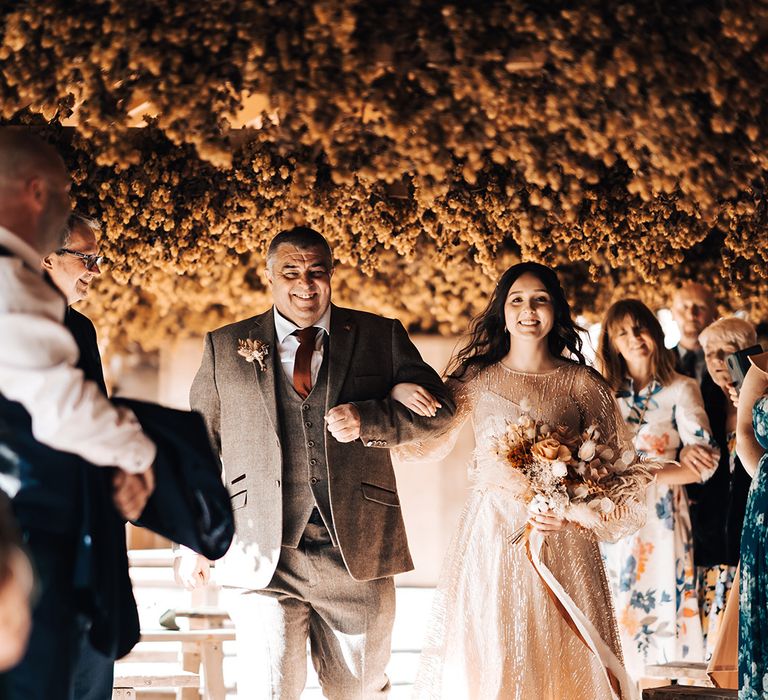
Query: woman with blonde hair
[651,571]
[717,507]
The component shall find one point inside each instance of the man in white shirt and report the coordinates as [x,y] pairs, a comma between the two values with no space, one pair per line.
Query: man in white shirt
[53,418]
[693,309]
[37,365]
[297,403]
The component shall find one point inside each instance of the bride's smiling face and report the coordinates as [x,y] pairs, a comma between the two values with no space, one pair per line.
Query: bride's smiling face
[528,311]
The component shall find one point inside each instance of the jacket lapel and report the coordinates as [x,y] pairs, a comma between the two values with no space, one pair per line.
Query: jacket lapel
[264,330]
[340,346]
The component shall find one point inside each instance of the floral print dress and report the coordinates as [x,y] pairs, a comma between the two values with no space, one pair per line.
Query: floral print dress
[753,596]
[652,572]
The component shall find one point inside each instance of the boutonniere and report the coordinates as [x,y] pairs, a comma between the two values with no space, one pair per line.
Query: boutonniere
[253,350]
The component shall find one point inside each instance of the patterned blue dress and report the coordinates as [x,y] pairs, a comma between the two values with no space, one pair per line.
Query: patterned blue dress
[753,598]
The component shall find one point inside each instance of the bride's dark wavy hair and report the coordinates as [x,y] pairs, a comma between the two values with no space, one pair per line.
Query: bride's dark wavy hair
[488,340]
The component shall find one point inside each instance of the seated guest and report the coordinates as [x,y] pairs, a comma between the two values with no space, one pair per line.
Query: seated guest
[717,506]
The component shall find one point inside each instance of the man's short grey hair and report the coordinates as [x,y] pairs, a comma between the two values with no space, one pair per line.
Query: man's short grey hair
[76,219]
[303,238]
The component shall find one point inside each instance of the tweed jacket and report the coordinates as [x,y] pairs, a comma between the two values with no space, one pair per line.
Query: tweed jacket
[367,356]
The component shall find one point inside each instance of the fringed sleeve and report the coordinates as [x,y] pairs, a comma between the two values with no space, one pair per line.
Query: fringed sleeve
[627,489]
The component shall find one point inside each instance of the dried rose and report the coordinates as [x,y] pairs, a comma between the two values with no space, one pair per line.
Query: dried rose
[550,450]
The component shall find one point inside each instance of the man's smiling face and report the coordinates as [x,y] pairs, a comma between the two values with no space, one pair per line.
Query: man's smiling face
[301,283]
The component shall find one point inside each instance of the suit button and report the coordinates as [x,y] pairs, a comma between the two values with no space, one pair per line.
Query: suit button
[313,462]
[308,424]
[369,443]
[313,480]
[304,407]
[311,443]
[383,442]
[278,483]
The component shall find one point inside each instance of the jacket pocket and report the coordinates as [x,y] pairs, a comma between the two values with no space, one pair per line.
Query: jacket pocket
[377,494]
[239,499]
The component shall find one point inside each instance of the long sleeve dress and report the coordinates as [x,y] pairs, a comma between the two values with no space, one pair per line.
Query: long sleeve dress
[495,631]
[651,571]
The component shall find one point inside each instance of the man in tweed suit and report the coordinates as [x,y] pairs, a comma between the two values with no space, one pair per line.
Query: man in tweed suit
[303,420]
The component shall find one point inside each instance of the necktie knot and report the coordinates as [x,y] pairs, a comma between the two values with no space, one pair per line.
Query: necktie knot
[306,335]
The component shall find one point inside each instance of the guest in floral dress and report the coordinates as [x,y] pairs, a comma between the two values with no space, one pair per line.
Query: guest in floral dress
[651,571]
[717,507]
[751,443]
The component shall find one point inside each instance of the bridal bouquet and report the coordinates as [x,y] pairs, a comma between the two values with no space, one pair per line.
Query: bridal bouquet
[576,476]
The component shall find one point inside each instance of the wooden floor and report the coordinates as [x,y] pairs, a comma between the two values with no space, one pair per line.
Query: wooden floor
[413,607]
[156,593]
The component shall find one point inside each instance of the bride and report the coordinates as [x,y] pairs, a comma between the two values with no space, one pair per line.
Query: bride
[498,630]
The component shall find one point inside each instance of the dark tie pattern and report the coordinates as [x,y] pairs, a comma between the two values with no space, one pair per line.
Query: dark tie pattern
[688,364]
[302,367]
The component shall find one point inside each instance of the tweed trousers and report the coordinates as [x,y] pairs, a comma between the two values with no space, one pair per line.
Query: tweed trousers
[312,597]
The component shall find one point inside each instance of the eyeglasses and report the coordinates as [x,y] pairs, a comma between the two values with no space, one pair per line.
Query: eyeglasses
[90,261]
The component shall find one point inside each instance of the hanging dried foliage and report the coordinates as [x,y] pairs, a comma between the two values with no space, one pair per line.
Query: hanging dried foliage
[433,144]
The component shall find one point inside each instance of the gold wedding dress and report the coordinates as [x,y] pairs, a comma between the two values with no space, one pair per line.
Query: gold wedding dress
[495,631]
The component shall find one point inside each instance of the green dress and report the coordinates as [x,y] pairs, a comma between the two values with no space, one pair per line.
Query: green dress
[753,599]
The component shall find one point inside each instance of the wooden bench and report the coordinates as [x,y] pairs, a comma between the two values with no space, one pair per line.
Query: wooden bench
[201,652]
[131,677]
[695,671]
[689,692]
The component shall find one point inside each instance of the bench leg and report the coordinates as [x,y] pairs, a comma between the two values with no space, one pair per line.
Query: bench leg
[212,662]
[190,661]
[123,694]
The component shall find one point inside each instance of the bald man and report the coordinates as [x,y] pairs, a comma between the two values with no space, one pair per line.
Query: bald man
[693,309]
[57,424]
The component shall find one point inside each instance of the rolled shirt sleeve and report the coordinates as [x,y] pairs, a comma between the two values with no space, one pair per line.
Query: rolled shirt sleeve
[37,369]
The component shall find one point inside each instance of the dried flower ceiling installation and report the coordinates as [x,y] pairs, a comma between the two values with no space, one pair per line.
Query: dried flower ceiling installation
[434,144]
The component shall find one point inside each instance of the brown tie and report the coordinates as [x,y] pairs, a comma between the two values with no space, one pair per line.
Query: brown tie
[302,367]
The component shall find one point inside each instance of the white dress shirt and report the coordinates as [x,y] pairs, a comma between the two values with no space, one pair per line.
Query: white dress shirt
[37,369]
[288,344]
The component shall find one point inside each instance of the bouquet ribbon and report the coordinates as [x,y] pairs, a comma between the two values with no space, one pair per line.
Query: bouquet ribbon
[621,684]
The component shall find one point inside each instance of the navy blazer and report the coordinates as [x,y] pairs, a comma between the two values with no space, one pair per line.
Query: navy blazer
[718,505]
[65,496]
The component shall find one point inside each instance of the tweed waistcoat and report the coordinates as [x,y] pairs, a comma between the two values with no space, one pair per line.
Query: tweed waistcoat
[305,471]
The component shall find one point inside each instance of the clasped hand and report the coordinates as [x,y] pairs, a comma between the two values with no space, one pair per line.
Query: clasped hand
[344,422]
[698,459]
[191,570]
[130,492]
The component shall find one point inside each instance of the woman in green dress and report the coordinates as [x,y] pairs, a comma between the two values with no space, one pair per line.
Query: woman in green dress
[751,444]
